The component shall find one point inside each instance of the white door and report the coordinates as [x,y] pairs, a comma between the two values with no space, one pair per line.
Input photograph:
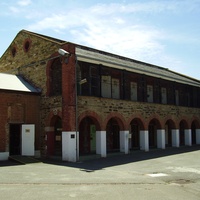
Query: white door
[28,140]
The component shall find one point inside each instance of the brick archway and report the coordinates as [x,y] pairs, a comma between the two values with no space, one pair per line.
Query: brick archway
[118,117]
[153,126]
[194,126]
[169,126]
[94,116]
[136,125]
[183,124]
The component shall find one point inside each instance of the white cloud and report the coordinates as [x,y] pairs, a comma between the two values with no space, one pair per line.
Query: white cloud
[109,27]
[24,2]
[114,33]
[14,9]
[18,8]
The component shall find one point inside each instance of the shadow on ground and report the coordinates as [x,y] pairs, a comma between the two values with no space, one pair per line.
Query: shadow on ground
[121,159]
[94,164]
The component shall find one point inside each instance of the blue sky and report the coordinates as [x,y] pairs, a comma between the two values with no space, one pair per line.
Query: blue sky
[161,32]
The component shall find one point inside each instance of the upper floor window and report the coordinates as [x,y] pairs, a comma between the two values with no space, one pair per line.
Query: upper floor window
[14,51]
[56,78]
[115,88]
[177,97]
[106,86]
[149,93]
[133,86]
[27,45]
[164,95]
[113,83]
[110,83]
[94,81]
[110,87]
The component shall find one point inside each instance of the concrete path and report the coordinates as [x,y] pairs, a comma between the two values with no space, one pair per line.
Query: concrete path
[170,174]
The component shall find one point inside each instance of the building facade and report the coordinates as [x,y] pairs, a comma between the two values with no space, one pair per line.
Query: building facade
[94,102]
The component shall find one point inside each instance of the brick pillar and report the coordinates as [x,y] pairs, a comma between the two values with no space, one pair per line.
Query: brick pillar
[124,139]
[175,137]
[197,136]
[188,137]
[144,140]
[161,138]
[69,129]
[69,89]
[101,143]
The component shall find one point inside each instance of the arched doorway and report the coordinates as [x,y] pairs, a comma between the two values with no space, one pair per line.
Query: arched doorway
[87,136]
[112,136]
[193,129]
[135,126]
[182,127]
[58,137]
[153,126]
[169,125]
[54,137]
[195,125]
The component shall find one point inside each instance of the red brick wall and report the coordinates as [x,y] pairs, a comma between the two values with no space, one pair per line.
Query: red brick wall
[69,90]
[20,108]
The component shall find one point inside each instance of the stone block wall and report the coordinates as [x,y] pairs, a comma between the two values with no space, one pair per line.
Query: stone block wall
[31,63]
[128,110]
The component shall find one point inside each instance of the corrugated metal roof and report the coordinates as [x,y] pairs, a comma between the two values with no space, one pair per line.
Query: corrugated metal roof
[110,60]
[15,83]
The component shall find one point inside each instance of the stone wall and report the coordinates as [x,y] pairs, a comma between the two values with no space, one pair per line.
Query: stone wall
[30,63]
[128,110]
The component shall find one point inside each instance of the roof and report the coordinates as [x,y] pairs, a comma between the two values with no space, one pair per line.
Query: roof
[49,38]
[15,83]
[95,56]
[111,60]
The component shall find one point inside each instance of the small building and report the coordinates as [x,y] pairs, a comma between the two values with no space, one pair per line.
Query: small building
[19,118]
[95,102]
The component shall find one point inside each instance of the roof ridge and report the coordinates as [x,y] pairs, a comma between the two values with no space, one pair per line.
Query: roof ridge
[49,38]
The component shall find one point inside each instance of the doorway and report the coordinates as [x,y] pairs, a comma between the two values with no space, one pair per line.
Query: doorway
[58,137]
[135,135]
[87,136]
[112,136]
[15,139]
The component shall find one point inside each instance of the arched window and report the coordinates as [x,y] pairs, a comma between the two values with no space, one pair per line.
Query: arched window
[56,78]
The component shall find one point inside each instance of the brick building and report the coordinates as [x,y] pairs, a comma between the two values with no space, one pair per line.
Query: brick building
[94,102]
[18,117]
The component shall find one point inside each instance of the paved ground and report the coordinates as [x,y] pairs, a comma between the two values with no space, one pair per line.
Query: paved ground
[170,174]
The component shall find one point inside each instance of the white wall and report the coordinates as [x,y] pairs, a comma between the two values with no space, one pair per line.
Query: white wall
[28,140]
[69,146]
[4,155]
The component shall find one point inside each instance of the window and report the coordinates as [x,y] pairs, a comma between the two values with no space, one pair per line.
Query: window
[142,89]
[94,81]
[56,78]
[157,91]
[27,44]
[106,86]
[115,88]
[177,97]
[164,95]
[170,94]
[133,86]
[149,93]
[14,51]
